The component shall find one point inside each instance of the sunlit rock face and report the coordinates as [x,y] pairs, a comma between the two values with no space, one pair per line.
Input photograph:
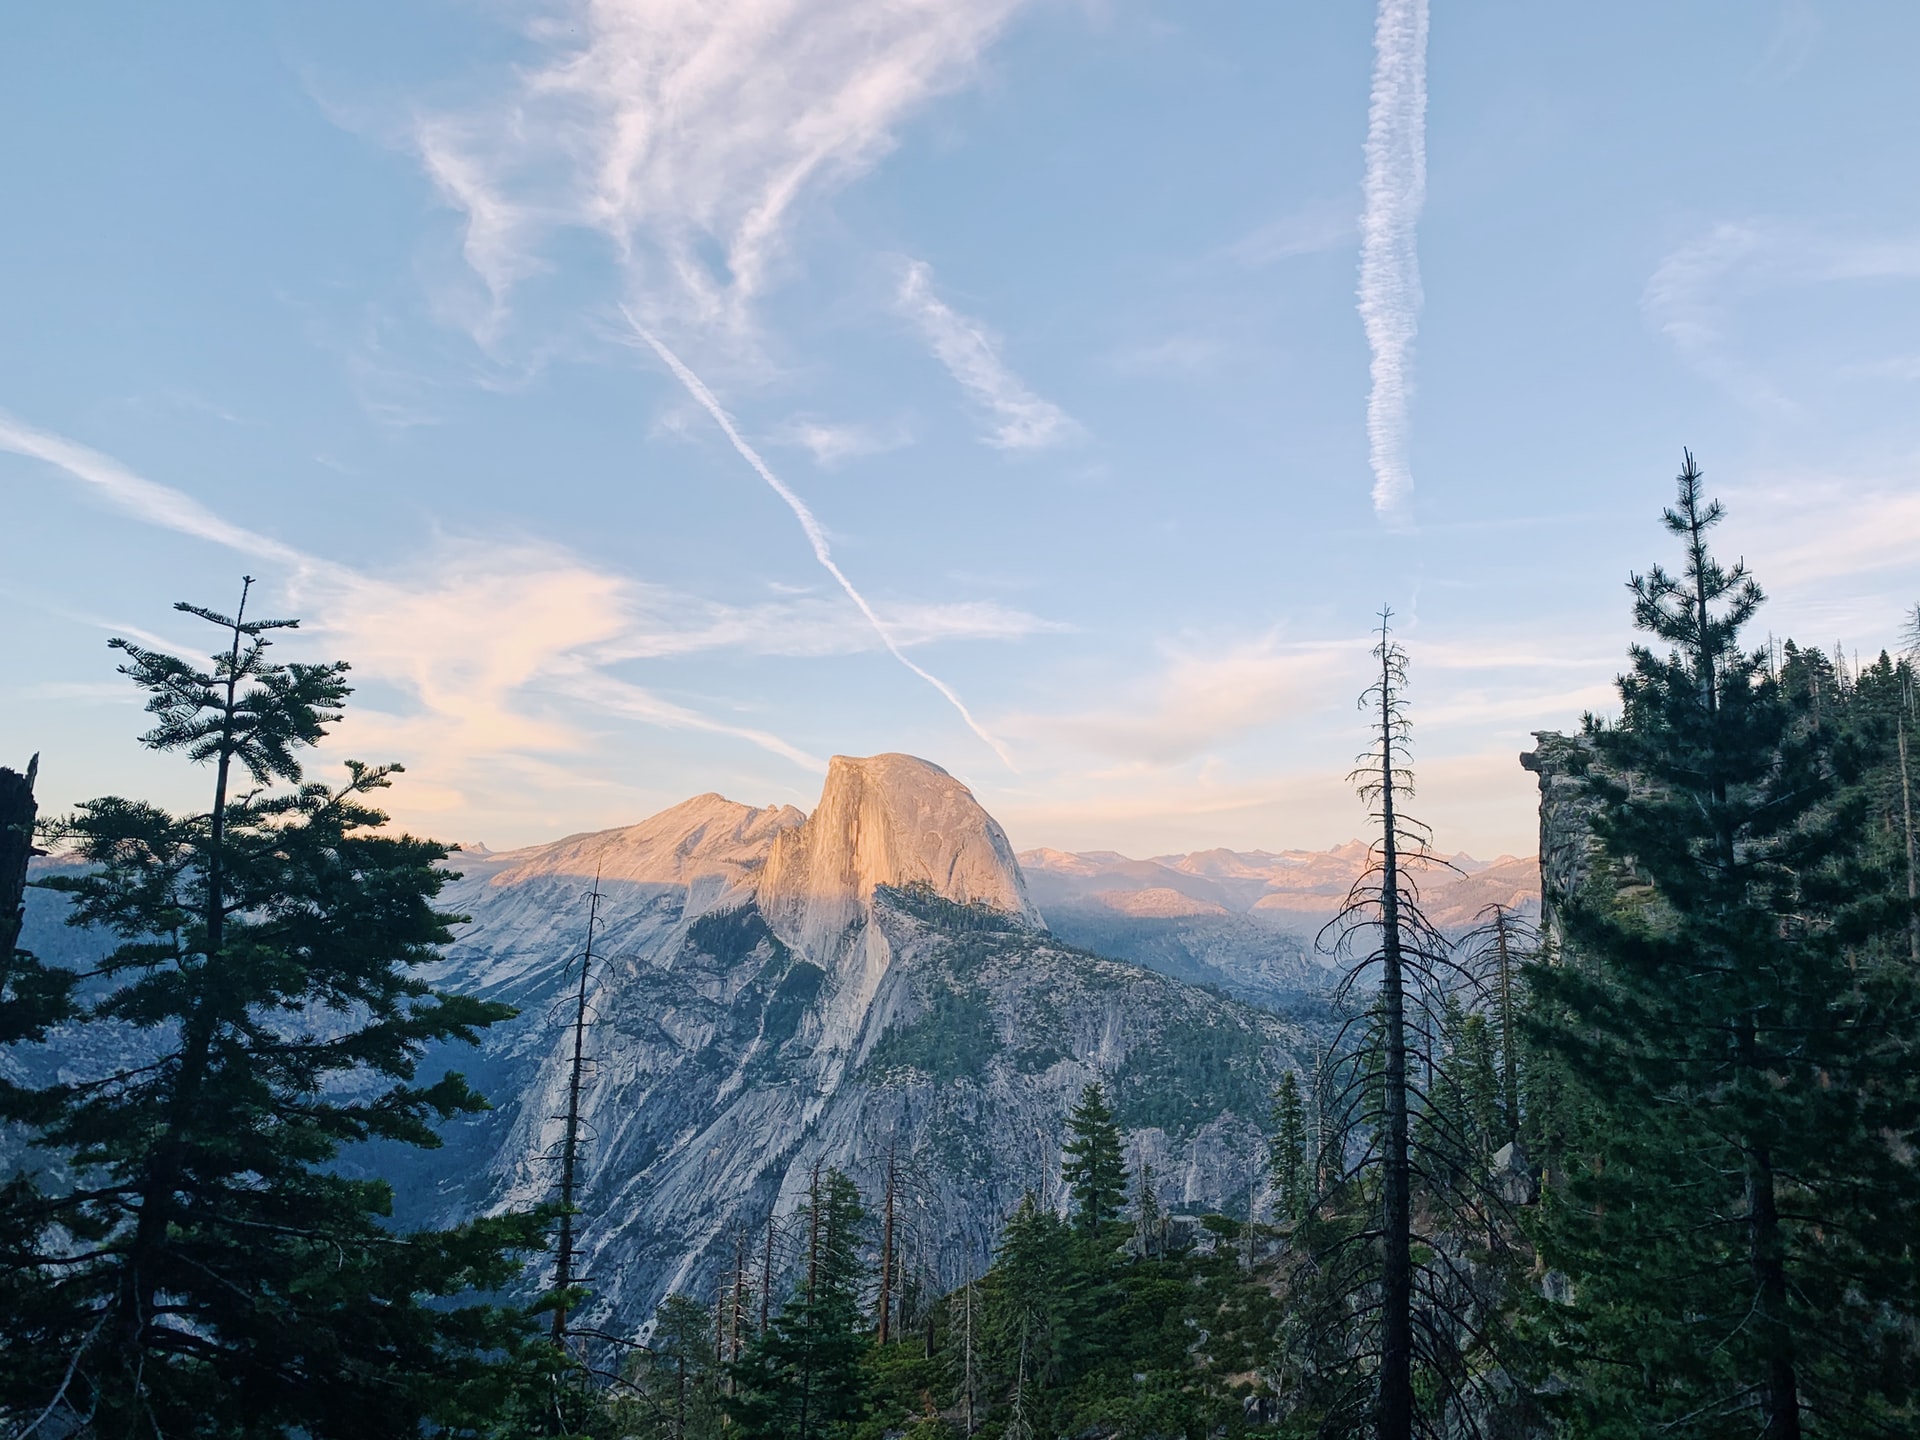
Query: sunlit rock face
[773,991]
[887,820]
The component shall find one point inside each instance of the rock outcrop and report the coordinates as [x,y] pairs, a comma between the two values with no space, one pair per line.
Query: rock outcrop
[1568,849]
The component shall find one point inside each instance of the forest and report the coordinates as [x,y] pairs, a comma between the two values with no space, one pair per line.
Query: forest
[1646,1167]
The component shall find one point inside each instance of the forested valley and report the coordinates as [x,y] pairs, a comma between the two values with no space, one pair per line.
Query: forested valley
[1646,1167]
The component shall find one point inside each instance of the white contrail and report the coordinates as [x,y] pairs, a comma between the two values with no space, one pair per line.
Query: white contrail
[156,504]
[816,536]
[1389,262]
[1023,421]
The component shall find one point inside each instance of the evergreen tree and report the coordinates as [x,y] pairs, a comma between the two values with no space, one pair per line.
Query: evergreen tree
[1095,1167]
[1289,1167]
[1463,1124]
[212,1271]
[1737,1008]
[672,1391]
[801,1378]
[1039,1306]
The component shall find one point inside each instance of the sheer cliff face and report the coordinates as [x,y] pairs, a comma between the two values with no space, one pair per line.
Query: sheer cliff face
[887,820]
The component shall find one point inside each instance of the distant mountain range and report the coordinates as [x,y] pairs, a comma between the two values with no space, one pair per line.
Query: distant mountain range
[1246,921]
[773,990]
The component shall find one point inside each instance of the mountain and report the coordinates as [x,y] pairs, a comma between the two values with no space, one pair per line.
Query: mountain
[774,991]
[1245,921]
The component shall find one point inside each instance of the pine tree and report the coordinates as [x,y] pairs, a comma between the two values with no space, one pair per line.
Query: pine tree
[801,1378]
[1463,1125]
[1095,1167]
[674,1379]
[1738,1009]
[1039,1303]
[215,1272]
[1288,1164]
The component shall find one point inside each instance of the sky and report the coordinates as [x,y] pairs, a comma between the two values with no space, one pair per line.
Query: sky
[652,397]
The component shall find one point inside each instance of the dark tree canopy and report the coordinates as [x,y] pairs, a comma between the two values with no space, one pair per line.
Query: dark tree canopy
[1735,1011]
[1094,1168]
[209,1270]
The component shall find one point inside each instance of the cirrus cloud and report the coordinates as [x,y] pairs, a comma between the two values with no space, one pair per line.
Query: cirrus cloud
[690,133]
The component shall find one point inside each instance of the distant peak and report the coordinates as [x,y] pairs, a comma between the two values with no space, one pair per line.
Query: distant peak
[892,820]
[708,835]
[893,763]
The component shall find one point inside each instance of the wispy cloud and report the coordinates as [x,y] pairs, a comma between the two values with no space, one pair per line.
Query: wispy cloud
[1395,189]
[1692,295]
[471,638]
[1021,419]
[1804,528]
[815,532]
[1796,34]
[1174,355]
[691,133]
[1202,698]
[662,623]
[1325,225]
[830,444]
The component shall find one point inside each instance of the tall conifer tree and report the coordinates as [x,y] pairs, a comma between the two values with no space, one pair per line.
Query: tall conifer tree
[1289,1167]
[801,1378]
[215,1273]
[1095,1167]
[1737,1008]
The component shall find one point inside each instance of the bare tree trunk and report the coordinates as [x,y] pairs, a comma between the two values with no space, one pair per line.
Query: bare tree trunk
[813,1276]
[739,1301]
[967,1369]
[1780,1395]
[886,1243]
[1906,810]
[563,1249]
[766,1277]
[18,811]
[1396,1347]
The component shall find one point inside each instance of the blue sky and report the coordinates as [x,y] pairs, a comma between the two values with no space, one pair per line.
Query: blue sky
[1121,360]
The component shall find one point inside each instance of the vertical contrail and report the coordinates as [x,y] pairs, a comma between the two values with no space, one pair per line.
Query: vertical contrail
[816,536]
[1389,263]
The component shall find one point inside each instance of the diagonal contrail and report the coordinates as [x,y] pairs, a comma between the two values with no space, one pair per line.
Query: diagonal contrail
[816,536]
[1396,186]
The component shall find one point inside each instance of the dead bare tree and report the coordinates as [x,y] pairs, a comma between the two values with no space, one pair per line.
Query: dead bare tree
[17,813]
[1500,943]
[1394,1307]
[565,1252]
